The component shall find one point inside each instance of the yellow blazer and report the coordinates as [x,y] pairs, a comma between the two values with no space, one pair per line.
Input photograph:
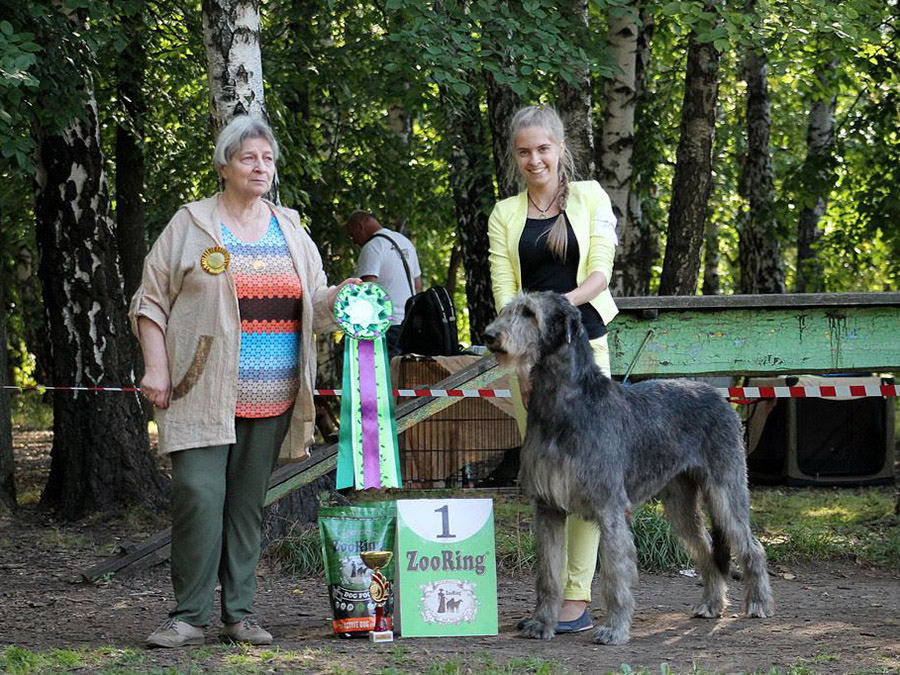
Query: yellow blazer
[594,223]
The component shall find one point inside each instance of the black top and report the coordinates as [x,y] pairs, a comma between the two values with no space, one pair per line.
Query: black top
[542,271]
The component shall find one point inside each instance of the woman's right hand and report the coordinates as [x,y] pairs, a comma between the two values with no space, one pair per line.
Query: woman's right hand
[156,386]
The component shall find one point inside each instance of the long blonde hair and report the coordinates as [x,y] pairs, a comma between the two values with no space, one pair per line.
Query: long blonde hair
[547,118]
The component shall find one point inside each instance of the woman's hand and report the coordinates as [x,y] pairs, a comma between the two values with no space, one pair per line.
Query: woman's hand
[589,289]
[156,386]
[332,294]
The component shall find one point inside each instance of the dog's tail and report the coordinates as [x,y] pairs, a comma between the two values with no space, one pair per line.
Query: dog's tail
[721,551]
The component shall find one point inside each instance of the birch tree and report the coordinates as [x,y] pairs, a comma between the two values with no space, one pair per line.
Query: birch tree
[234,60]
[573,99]
[692,182]
[759,248]
[818,177]
[617,144]
[100,459]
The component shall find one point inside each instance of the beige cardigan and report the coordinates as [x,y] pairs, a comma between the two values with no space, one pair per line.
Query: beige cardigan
[594,223]
[198,314]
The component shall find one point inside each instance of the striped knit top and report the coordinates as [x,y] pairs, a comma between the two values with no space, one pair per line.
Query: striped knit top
[268,292]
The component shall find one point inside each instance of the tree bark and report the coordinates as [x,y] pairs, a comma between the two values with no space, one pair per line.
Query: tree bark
[616,146]
[818,179]
[234,64]
[759,249]
[100,460]
[502,104]
[711,258]
[234,60]
[7,458]
[692,182]
[472,185]
[130,224]
[574,105]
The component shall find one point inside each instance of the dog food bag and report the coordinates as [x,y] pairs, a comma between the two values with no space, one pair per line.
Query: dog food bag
[345,531]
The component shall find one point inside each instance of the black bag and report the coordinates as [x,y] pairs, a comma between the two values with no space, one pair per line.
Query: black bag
[430,324]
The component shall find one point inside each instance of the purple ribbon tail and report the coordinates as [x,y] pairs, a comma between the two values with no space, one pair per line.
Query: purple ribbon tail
[368,396]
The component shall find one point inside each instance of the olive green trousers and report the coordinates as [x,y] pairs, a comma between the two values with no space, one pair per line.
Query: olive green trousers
[218,495]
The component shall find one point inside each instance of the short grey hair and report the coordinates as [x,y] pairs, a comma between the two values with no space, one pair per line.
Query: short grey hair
[238,130]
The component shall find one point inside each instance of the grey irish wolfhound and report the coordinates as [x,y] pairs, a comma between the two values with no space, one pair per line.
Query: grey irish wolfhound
[598,449]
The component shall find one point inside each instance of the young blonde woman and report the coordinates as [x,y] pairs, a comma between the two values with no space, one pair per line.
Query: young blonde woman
[557,235]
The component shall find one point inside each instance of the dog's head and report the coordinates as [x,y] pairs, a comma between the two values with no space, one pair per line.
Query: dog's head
[531,327]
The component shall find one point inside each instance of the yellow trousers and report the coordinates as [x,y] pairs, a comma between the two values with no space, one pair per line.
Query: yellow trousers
[582,537]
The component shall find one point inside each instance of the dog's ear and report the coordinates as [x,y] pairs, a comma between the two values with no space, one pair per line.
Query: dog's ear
[561,326]
[573,324]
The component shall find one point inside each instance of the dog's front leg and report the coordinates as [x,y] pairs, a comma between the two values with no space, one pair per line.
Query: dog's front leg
[549,539]
[619,569]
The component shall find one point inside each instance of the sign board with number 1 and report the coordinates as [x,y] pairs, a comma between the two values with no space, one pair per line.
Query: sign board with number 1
[446,570]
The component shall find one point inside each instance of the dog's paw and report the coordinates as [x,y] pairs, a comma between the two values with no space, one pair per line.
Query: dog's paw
[706,610]
[607,635]
[532,628]
[760,610]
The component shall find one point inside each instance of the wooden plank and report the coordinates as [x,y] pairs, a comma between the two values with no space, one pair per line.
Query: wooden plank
[775,301]
[835,338]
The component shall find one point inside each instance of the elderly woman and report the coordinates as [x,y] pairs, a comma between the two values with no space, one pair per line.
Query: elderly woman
[231,294]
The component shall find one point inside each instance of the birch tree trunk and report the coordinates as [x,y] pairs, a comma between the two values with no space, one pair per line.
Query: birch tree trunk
[759,250]
[692,182]
[100,460]
[617,144]
[574,105]
[818,174]
[234,60]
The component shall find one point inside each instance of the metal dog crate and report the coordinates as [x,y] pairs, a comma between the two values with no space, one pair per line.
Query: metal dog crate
[817,441]
[473,443]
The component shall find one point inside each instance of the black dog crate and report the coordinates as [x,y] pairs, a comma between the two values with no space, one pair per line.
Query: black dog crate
[819,441]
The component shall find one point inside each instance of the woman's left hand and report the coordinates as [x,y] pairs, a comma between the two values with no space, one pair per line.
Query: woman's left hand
[334,291]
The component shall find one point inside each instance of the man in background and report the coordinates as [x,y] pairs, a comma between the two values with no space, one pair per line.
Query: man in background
[389,259]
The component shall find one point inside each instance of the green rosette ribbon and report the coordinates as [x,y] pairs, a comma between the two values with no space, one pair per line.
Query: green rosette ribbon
[368,453]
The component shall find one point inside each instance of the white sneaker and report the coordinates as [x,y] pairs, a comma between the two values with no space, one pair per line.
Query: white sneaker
[175,633]
[247,630]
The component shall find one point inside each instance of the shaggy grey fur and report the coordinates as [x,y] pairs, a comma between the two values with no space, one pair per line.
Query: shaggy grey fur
[598,449]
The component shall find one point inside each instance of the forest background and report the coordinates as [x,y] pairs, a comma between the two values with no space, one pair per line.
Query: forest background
[748,146]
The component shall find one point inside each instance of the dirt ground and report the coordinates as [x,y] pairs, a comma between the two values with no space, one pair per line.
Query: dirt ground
[835,618]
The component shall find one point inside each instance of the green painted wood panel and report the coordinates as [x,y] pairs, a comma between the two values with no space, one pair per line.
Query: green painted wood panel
[756,340]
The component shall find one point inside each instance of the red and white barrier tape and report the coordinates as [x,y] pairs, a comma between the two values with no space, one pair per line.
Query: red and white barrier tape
[827,391]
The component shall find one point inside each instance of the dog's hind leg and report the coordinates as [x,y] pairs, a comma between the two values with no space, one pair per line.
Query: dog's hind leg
[618,564]
[729,509]
[681,501]
[549,534]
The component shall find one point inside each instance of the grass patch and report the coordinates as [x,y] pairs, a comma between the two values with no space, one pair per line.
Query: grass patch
[819,524]
[106,660]
[796,525]
[299,552]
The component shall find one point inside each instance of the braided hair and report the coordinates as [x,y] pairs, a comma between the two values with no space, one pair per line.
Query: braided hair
[547,118]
